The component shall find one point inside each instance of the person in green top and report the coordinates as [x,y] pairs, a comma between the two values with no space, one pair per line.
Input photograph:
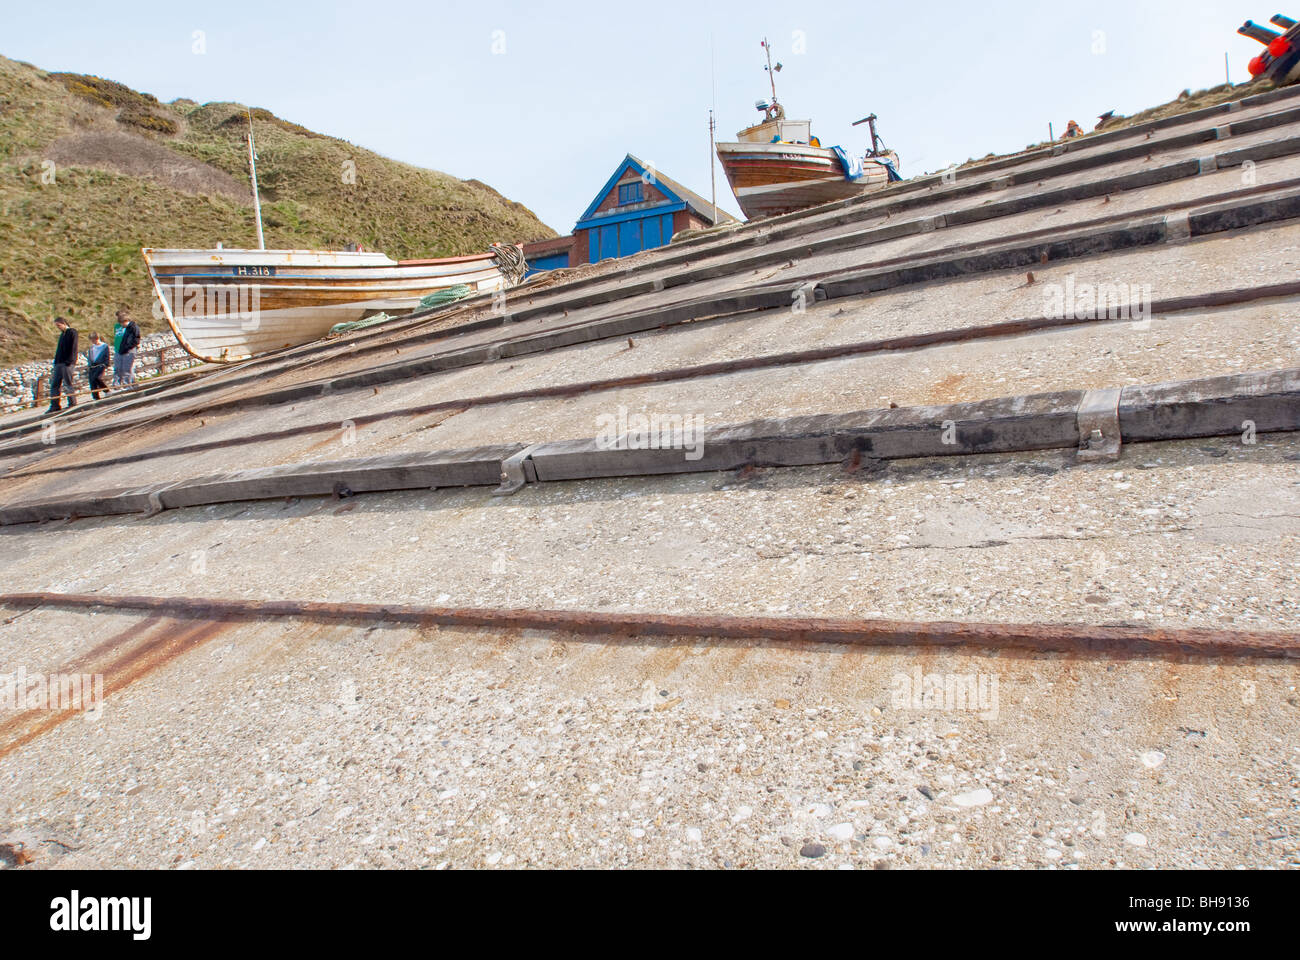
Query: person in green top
[118,329]
[126,337]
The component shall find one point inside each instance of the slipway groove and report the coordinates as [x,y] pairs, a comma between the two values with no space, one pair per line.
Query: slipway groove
[631,627]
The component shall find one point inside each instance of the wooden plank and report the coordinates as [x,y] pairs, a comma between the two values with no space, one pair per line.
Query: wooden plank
[1192,408]
[1242,404]
[480,466]
[1036,422]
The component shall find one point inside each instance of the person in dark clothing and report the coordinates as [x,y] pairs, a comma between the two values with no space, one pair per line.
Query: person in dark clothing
[97,363]
[127,336]
[65,361]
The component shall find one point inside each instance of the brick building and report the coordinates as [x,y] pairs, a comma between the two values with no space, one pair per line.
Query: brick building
[638,208]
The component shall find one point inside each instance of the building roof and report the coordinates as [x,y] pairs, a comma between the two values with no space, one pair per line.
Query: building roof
[675,191]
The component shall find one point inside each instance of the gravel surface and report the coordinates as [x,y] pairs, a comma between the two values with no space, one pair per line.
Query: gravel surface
[295,745]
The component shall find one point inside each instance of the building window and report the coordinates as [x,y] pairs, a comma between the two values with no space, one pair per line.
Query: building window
[629,193]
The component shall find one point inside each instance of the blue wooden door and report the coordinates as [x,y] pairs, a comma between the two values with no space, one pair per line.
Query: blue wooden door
[629,237]
[650,234]
[608,242]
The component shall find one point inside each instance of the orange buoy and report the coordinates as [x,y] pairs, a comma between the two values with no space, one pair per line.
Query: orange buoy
[1279,47]
[1256,66]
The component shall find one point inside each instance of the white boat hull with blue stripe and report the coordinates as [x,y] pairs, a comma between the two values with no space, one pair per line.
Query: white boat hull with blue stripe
[231,305]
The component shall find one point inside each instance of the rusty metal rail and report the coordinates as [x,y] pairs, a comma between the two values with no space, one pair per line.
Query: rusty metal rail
[1037,637]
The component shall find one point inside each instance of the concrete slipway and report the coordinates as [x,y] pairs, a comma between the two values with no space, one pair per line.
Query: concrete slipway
[459,726]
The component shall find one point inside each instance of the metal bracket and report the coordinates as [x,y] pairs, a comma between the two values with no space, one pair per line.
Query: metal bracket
[1178,226]
[1098,419]
[1207,165]
[156,505]
[517,471]
[1222,133]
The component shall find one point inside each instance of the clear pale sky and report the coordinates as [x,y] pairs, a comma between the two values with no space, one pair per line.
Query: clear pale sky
[543,109]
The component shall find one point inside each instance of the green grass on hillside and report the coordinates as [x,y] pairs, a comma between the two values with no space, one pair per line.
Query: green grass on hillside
[72,247]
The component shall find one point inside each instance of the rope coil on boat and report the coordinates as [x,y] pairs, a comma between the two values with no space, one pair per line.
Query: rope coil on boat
[510,261]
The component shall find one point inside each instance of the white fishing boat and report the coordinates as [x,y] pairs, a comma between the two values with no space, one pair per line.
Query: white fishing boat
[230,305]
[227,305]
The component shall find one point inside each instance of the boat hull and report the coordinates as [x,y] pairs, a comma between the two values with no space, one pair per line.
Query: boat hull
[230,305]
[774,178]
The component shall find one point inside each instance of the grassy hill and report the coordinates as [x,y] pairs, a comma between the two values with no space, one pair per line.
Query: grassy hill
[91,171]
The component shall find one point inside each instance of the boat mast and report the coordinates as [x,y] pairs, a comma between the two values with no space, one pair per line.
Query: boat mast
[252,173]
[771,74]
[713,168]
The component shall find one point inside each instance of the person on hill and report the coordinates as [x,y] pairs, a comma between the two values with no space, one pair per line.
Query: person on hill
[65,361]
[126,337]
[97,362]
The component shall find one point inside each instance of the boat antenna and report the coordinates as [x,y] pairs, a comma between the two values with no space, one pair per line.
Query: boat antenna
[252,173]
[713,156]
[713,173]
[771,70]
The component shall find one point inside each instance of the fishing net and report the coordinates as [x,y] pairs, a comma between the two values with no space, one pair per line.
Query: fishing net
[436,299]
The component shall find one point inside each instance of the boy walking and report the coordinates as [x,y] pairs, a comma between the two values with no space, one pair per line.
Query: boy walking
[97,363]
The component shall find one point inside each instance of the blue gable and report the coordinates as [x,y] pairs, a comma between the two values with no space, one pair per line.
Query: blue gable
[629,163]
